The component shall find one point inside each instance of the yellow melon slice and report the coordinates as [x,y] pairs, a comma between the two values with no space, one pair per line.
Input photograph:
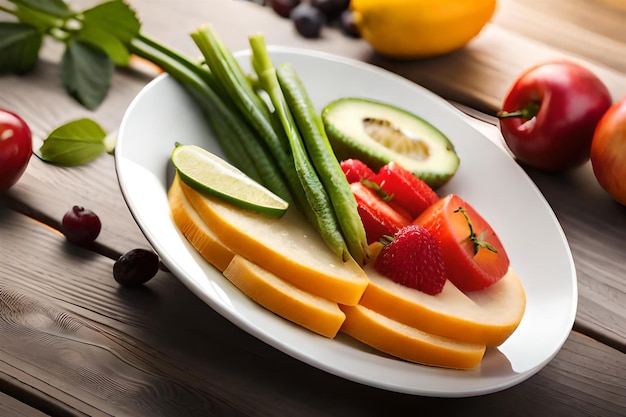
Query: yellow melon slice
[312,312]
[405,342]
[488,316]
[196,231]
[288,247]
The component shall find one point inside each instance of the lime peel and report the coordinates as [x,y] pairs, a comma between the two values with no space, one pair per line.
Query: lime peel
[211,175]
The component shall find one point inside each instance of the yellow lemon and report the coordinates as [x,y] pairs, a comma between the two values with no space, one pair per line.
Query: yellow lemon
[407,29]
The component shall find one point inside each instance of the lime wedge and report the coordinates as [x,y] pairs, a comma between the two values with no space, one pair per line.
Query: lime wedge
[211,175]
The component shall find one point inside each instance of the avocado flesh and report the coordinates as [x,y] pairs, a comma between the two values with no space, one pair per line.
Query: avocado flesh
[377,133]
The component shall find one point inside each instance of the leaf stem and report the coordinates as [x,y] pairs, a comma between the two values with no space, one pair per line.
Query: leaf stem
[7,10]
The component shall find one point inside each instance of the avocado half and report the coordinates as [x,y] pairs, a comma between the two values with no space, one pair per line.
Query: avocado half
[377,133]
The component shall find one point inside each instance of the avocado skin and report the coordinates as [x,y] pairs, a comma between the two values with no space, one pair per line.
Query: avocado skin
[348,146]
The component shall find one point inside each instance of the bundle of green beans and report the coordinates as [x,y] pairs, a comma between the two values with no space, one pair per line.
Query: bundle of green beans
[283,146]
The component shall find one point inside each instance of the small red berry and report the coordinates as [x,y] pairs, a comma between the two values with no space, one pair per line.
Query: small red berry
[80,225]
[413,259]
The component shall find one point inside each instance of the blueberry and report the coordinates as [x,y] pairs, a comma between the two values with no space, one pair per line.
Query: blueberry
[331,8]
[308,20]
[284,7]
[347,24]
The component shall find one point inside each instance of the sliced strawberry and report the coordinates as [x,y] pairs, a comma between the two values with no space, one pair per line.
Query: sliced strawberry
[356,170]
[407,191]
[413,258]
[387,198]
[377,216]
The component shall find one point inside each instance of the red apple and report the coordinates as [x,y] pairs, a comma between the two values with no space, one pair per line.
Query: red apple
[15,148]
[550,113]
[608,151]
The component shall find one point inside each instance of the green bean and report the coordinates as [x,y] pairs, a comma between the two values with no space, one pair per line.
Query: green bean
[234,81]
[324,160]
[319,201]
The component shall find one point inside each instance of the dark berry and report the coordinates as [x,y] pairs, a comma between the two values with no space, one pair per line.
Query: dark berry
[135,267]
[80,225]
[284,7]
[308,20]
[331,8]
[348,25]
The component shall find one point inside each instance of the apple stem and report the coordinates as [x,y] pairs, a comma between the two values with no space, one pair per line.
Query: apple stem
[527,112]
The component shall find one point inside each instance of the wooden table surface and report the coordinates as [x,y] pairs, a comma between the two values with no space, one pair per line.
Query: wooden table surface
[72,342]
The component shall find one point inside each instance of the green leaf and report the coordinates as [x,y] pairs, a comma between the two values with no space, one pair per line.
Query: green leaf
[37,18]
[110,26]
[74,143]
[56,8]
[19,47]
[114,17]
[86,73]
[112,46]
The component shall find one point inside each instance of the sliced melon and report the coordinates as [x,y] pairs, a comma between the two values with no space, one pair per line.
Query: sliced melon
[317,314]
[195,230]
[488,316]
[405,342]
[378,133]
[288,247]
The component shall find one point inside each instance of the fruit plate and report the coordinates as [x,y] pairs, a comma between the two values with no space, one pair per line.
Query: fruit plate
[488,178]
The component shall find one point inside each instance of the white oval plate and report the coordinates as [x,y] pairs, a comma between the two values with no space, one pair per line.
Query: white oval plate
[488,178]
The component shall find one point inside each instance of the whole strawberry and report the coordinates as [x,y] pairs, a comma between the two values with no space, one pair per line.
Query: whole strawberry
[413,258]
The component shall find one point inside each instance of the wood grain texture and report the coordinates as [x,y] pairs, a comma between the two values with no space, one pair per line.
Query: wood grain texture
[595,226]
[569,26]
[102,350]
[11,407]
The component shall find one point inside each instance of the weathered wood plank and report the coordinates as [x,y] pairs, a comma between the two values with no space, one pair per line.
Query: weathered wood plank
[595,226]
[589,29]
[10,407]
[46,192]
[104,350]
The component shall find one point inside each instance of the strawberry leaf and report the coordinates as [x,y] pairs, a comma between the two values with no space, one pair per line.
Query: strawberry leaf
[75,143]
[114,17]
[56,8]
[100,38]
[110,26]
[19,47]
[86,73]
